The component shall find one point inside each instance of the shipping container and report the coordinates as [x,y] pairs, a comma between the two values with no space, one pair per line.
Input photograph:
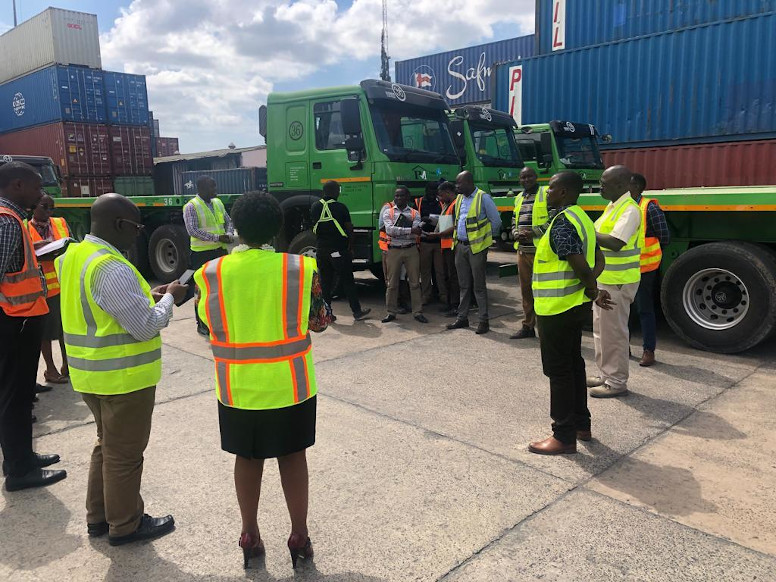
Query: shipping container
[705,84]
[571,24]
[166,146]
[54,36]
[742,163]
[126,97]
[463,75]
[235,181]
[79,187]
[130,148]
[134,185]
[79,149]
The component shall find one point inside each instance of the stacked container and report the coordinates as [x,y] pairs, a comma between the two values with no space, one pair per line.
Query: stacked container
[166,146]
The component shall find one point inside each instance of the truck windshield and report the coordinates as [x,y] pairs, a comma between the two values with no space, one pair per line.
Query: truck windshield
[409,133]
[47,172]
[579,152]
[495,146]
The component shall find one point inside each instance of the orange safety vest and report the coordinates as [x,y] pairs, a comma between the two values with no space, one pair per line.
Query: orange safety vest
[385,241]
[22,293]
[447,243]
[58,230]
[651,253]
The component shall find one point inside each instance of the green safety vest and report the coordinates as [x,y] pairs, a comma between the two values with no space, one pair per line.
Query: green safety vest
[211,221]
[540,213]
[103,358]
[623,266]
[556,287]
[327,217]
[478,229]
[257,306]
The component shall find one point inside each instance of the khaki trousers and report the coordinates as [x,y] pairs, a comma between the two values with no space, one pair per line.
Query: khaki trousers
[123,428]
[394,259]
[525,263]
[431,259]
[611,337]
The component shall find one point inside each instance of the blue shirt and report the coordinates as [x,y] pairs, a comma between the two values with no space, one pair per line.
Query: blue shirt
[488,208]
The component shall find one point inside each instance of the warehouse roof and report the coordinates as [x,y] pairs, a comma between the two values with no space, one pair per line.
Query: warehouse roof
[211,154]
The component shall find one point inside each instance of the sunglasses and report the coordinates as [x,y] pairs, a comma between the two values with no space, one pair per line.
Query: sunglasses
[137,225]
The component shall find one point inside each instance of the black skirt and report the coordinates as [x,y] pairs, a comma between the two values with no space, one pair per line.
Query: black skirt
[52,321]
[266,434]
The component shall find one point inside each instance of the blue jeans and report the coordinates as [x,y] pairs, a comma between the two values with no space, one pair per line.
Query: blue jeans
[645,304]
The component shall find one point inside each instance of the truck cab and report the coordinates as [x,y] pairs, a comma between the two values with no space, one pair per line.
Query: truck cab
[370,138]
[49,172]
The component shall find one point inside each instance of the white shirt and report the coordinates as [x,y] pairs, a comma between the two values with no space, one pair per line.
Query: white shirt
[629,221]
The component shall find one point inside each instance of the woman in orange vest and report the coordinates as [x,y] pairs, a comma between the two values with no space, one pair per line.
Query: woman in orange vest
[44,229]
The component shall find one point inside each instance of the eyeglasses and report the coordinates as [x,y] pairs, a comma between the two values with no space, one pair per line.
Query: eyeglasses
[137,225]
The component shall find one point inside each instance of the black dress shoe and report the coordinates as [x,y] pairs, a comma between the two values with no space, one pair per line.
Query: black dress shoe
[333,318]
[35,478]
[389,318]
[458,324]
[96,530]
[361,315]
[421,318]
[38,461]
[483,327]
[40,388]
[523,333]
[149,528]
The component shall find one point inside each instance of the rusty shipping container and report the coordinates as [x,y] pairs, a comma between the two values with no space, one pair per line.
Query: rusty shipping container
[79,149]
[741,163]
[130,148]
[80,187]
[166,146]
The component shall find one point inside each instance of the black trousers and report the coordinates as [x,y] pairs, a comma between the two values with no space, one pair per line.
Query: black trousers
[333,269]
[560,338]
[20,339]
[196,260]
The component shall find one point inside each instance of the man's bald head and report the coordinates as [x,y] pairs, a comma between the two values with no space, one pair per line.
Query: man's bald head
[615,182]
[115,219]
[464,183]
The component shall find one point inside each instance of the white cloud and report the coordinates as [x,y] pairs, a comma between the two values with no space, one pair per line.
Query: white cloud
[210,63]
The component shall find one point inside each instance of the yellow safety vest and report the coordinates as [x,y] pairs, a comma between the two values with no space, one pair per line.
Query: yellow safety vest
[622,266]
[651,253]
[103,358]
[540,214]
[478,229]
[556,287]
[211,221]
[327,217]
[257,306]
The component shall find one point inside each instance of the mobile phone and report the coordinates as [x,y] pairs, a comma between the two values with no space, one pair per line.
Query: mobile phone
[186,277]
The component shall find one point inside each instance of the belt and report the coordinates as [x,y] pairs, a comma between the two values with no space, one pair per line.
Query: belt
[464,242]
[400,247]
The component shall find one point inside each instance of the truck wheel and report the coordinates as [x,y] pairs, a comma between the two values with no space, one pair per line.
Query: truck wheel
[303,244]
[719,296]
[138,254]
[168,252]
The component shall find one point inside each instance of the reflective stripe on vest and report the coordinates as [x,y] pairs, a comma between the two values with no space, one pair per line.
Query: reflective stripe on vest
[540,212]
[22,293]
[327,217]
[211,221]
[59,230]
[651,253]
[622,267]
[556,287]
[103,358]
[263,357]
[478,229]
[447,242]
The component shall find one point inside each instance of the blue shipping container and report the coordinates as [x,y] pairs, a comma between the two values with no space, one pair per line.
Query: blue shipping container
[233,181]
[127,99]
[591,22]
[462,76]
[57,93]
[710,83]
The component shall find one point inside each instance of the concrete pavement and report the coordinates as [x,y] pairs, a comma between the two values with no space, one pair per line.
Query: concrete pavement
[420,470]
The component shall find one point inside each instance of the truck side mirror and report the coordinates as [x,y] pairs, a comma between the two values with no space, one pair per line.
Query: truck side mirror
[351,116]
[263,121]
[545,140]
[606,138]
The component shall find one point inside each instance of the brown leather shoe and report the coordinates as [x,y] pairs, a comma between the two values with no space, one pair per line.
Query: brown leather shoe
[647,359]
[584,435]
[552,446]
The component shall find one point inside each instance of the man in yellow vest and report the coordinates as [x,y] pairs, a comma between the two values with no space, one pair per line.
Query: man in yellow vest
[530,221]
[476,218]
[210,230]
[568,260]
[654,236]
[618,231]
[111,320]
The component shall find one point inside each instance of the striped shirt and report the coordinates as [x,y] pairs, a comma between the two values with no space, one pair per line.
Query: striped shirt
[191,220]
[117,291]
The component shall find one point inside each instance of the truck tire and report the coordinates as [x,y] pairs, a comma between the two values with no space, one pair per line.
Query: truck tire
[303,244]
[719,296]
[138,254]
[168,252]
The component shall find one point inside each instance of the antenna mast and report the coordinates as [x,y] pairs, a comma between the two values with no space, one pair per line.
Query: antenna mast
[385,65]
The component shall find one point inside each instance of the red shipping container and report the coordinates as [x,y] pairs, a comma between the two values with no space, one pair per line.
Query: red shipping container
[75,187]
[130,148]
[166,146]
[79,149]
[740,163]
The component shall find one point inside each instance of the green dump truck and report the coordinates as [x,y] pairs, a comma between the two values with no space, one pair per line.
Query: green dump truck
[49,172]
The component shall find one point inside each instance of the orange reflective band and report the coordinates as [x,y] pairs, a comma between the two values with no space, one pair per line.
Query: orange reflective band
[213,292]
[300,296]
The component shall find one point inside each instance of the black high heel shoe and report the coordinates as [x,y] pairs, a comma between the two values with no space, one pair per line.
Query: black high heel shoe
[299,547]
[252,547]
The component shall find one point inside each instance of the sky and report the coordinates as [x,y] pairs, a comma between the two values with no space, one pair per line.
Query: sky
[210,64]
